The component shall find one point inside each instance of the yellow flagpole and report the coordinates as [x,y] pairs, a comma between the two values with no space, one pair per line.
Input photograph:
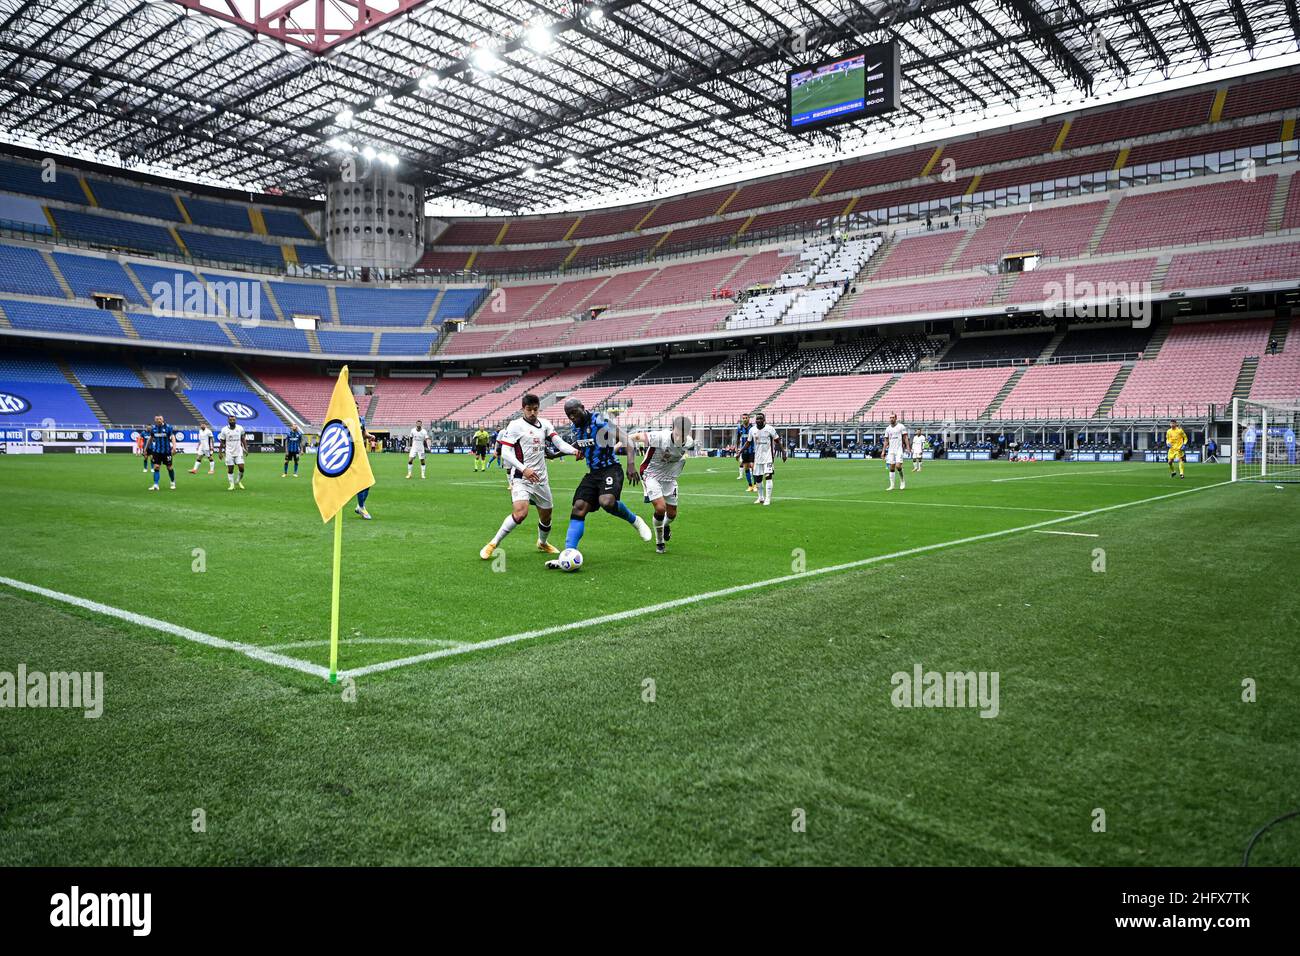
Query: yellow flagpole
[334,597]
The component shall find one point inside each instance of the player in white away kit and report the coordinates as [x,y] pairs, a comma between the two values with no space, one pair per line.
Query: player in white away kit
[665,457]
[233,443]
[419,444]
[895,441]
[204,451]
[523,450]
[766,443]
[918,451]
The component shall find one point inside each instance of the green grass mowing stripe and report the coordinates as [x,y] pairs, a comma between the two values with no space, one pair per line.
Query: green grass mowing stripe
[197,637]
[742,588]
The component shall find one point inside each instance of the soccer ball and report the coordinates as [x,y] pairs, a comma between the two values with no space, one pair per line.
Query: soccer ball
[570,559]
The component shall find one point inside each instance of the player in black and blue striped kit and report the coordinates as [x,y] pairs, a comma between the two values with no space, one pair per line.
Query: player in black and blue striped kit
[598,440]
[161,445]
[292,449]
[745,452]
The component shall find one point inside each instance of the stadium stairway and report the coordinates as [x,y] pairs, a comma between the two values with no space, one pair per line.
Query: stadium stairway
[1161,270]
[1001,396]
[1246,377]
[880,393]
[332,291]
[1102,224]
[135,281]
[1112,393]
[1281,328]
[873,264]
[1278,206]
[1158,336]
[313,340]
[122,320]
[958,250]
[82,390]
[1050,348]
[57,273]
[374,343]
[267,291]
[1005,282]
[190,406]
[430,320]
[4,321]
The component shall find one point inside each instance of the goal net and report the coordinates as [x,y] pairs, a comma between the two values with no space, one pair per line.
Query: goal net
[1264,440]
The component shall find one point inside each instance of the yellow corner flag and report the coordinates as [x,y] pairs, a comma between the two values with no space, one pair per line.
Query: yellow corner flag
[342,466]
[342,469]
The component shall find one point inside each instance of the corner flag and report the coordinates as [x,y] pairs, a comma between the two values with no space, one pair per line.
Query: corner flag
[342,469]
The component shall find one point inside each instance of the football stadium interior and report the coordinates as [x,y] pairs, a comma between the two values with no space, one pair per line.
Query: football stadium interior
[1068,264]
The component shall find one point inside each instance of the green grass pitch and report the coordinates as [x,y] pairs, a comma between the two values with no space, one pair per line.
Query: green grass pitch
[829,91]
[1120,689]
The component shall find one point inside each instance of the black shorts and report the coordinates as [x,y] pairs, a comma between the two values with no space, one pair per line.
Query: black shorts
[606,481]
[747,457]
[480,452]
[290,456]
[158,458]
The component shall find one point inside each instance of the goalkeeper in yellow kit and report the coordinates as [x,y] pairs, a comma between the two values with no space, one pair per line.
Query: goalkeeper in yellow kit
[1176,439]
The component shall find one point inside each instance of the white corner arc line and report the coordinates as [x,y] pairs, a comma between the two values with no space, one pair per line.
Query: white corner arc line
[197,637]
[741,588]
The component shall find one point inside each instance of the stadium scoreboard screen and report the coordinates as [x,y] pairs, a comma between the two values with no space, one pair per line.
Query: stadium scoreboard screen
[844,88]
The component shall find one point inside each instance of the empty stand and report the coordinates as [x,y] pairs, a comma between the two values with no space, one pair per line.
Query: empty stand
[936,396]
[825,399]
[1055,391]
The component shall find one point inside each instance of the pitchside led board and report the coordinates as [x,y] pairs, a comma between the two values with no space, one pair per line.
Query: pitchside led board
[844,88]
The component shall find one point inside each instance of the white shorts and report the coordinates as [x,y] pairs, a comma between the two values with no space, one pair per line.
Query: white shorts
[235,458]
[894,457]
[763,467]
[204,450]
[414,455]
[536,492]
[656,488]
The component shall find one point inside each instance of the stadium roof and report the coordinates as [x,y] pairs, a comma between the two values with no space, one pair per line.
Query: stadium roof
[518,104]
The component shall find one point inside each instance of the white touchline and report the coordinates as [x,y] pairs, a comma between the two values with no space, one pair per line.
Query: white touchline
[356,641]
[198,637]
[267,656]
[900,500]
[740,588]
[1072,534]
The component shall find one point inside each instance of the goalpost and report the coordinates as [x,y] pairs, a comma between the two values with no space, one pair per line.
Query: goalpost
[1264,440]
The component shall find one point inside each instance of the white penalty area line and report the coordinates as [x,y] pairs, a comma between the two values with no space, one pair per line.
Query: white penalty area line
[196,637]
[1072,534]
[756,585]
[292,663]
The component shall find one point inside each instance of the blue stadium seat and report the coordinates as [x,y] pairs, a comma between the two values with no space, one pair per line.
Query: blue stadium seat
[229,249]
[407,343]
[214,405]
[71,319]
[137,200]
[34,403]
[114,232]
[24,270]
[152,276]
[313,256]
[277,338]
[359,306]
[218,215]
[105,372]
[201,375]
[88,275]
[162,328]
[302,298]
[282,222]
[344,343]
[459,304]
[29,181]
[24,366]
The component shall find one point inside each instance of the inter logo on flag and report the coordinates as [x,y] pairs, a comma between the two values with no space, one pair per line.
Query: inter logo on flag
[336,449]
